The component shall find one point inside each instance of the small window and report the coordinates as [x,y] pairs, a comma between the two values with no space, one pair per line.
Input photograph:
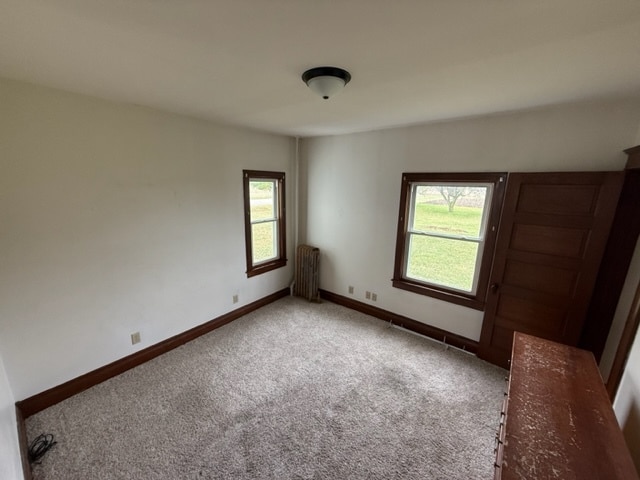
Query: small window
[446,234]
[264,221]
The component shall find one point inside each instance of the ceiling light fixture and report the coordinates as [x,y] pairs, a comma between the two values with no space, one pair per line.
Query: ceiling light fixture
[326,81]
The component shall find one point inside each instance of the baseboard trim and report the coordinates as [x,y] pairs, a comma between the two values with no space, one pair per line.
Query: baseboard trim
[402,321]
[40,401]
[24,445]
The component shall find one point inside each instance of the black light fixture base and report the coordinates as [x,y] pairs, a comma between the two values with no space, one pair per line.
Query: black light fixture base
[326,71]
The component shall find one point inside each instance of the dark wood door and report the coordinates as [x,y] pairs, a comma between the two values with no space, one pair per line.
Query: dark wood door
[552,235]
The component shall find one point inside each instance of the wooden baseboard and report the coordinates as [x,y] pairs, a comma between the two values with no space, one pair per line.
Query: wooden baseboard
[24,444]
[405,322]
[40,401]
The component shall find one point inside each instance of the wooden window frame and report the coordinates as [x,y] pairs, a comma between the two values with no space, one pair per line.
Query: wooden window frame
[477,300]
[281,258]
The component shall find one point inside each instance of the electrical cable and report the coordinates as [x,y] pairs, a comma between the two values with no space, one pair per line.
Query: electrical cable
[41,445]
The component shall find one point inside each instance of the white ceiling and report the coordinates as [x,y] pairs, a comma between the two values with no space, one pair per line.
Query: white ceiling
[412,61]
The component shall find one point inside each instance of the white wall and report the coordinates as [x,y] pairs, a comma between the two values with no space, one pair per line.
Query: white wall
[353,187]
[114,219]
[10,463]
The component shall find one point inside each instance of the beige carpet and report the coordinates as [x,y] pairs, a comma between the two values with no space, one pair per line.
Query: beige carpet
[292,391]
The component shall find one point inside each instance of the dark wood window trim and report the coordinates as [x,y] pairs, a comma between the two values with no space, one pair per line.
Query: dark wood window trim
[476,301]
[281,259]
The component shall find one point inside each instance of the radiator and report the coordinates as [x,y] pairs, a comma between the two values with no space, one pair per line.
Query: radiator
[307,282]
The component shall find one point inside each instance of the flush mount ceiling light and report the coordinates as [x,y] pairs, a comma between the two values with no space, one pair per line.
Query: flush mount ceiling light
[326,81]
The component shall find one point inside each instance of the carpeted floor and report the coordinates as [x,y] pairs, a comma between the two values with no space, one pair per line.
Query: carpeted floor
[292,391]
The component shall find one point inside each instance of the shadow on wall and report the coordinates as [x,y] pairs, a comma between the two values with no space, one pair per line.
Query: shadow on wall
[631,429]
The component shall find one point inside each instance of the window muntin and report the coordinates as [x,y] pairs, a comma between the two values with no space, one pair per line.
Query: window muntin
[264,221]
[446,234]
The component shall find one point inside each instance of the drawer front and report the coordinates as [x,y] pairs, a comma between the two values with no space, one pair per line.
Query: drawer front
[500,435]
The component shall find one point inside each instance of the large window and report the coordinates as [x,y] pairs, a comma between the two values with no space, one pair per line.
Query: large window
[446,234]
[264,213]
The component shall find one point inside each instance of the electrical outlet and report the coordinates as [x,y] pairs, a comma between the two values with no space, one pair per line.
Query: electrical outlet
[235,299]
[374,297]
[135,338]
[351,289]
[367,295]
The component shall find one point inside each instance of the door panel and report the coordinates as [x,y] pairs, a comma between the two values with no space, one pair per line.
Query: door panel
[549,240]
[552,235]
[558,199]
[532,313]
[543,278]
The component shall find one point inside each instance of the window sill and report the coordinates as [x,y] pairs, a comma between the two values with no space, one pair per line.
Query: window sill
[457,298]
[266,267]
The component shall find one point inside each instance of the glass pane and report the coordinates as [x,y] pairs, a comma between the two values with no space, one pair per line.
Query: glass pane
[262,198]
[265,239]
[449,210]
[442,261]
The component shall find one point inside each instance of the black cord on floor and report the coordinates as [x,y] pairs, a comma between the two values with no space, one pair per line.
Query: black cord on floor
[41,445]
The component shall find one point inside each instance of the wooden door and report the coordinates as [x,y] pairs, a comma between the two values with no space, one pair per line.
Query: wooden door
[552,235]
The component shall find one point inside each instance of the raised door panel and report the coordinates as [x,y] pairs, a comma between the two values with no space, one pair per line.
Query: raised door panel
[549,240]
[558,199]
[543,278]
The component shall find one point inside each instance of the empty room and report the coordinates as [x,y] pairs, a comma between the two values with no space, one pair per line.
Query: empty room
[314,239]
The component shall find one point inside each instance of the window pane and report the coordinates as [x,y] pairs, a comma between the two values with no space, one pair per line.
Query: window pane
[264,238]
[449,210]
[442,261]
[262,197]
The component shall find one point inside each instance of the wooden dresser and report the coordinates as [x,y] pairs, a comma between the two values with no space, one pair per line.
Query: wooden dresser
[557,420]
